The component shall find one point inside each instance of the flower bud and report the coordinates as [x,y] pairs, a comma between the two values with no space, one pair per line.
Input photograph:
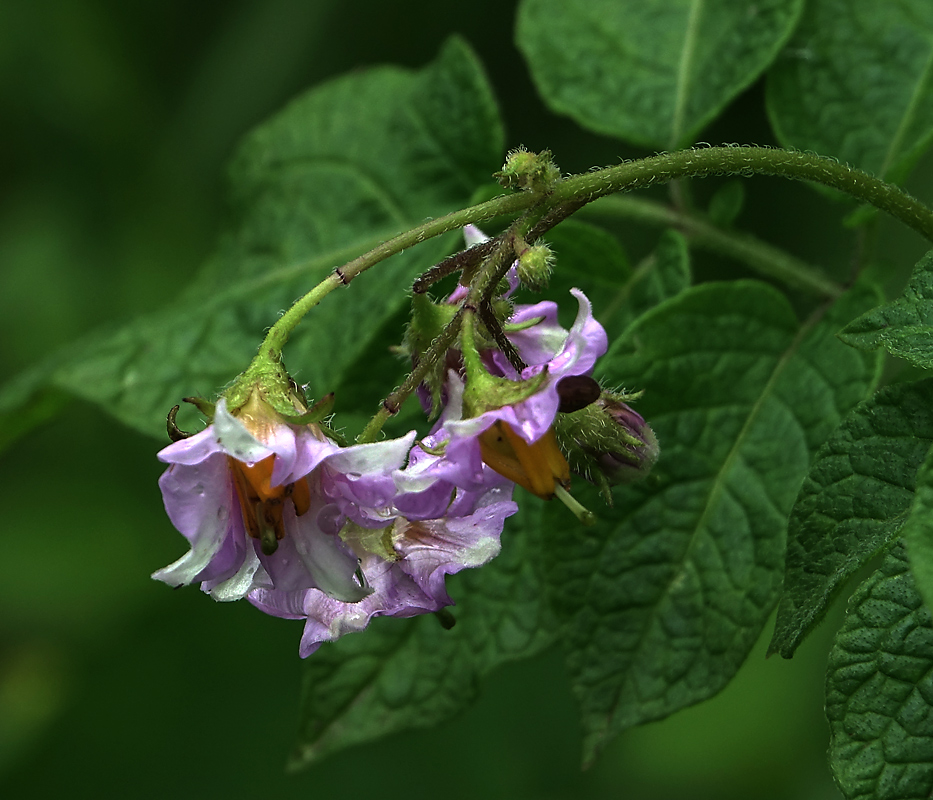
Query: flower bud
[534,267]
[526,170]
[607,442]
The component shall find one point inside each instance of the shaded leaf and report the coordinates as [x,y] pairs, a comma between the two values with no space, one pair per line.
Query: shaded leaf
[903,327]
[591,259]
[653,72]
[664,598]
[339,170]
[918,531]
[856,83]
[879,690]
[852,504]
[404,674]
[726,205]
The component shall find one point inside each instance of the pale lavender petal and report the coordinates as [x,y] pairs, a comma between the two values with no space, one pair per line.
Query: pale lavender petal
[540,342]
[378,457]
[330,563]
[433,549]
[396,595]
[286,570]
[309,451]
[234,438]
[238,585]
[473,235]
[192,450]
[288,605]
[198,502]
[230,558]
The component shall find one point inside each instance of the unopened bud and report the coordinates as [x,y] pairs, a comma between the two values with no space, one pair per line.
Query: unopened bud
[607,442]
[534,267]
[526,170]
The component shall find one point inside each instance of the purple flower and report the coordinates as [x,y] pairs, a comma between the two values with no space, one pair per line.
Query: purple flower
[516,438]
[252,494]
[405,557]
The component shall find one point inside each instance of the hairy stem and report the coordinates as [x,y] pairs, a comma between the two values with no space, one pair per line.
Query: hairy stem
[572,193]
[393,402]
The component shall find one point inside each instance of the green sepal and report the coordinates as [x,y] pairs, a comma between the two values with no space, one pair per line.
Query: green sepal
[521,326]
[317,413]
[267,376]
[206,407]
[378,541]
[483,391]
[335,436]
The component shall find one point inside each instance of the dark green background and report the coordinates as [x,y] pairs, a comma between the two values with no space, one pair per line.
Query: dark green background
[117,119]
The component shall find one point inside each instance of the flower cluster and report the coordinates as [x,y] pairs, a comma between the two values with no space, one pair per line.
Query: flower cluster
[279,513]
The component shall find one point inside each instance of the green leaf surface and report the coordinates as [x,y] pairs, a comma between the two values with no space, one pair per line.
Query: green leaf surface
[856,83]
[405,674]
[340,169]
[903,327]
[665,596]
[653,72]
[852,504]
[879,690]
[591,259]
[918,531]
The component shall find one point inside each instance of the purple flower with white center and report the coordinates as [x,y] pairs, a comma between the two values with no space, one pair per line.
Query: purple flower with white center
[405,559]
[250,493]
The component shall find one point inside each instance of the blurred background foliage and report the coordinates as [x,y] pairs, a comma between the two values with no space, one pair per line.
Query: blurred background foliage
[118,119]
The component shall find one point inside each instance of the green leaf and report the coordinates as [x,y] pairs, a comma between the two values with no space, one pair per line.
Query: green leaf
[653,72]
[412,673]
[856,82]
[662,275]
[726,205]
[903,327]
[339,170]
[918,531]
[666,595]
[591,259]
[852,504]
[879,690]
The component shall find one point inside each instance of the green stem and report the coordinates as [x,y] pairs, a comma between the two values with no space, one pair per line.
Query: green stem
[278,334]
[748,161]
[630,175]
[760,256]
[394,401]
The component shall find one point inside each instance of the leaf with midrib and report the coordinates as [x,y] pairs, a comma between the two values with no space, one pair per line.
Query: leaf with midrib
[664,598]
[340,169]
[856,83]
[879,689]
[853,503]
[653,72]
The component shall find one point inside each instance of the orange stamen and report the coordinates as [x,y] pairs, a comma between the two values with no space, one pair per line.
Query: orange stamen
[261,503]
[539,467]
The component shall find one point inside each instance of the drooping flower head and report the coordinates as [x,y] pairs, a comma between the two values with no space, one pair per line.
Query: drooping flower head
[276,511]
[246,494]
